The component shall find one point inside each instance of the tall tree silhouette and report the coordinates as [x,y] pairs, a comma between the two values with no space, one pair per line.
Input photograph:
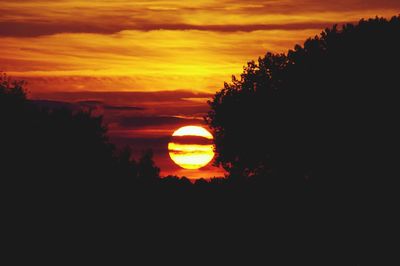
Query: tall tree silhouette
[323,111]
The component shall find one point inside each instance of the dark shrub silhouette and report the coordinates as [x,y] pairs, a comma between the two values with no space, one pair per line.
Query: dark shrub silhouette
[146,167]
[55,150]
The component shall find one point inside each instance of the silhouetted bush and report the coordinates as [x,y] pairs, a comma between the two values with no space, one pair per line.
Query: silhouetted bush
[54,150]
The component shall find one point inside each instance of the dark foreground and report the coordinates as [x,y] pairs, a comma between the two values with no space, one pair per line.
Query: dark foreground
[252,222]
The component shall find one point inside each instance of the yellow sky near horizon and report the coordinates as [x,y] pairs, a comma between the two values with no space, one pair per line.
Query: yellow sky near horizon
[104,45]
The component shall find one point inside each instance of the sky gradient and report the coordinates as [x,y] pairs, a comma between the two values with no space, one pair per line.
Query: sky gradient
[168,57]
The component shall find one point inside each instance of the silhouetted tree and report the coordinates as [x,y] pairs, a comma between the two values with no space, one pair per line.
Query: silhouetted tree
[322,112]
[147,171]
[50,150]
[127,164]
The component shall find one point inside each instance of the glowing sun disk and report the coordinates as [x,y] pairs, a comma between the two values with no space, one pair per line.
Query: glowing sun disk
[191,156]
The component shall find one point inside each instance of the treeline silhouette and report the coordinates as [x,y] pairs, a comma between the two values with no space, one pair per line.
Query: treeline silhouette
[60,144]
[307,138]
[320,116]
[322,111]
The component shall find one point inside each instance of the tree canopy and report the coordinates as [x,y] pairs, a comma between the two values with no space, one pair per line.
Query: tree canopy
[61,147]
[324,110]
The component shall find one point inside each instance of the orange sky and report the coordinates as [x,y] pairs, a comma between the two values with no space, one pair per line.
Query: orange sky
[150,47]
[158,45]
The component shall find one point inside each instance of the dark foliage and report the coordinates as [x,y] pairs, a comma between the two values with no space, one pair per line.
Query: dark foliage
[61,150]
[323,112]
[321,119]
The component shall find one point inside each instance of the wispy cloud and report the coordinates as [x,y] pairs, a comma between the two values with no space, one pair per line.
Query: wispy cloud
[146,121]
[158,45]
[35,18]
[139,61]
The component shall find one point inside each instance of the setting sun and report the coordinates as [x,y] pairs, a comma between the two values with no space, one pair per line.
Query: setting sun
[196,153]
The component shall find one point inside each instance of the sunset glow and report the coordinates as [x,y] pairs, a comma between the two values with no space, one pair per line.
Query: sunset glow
[260,131]
[149,67]
[157,45]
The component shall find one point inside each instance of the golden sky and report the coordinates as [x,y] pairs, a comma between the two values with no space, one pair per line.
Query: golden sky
[149,66]
[106,45]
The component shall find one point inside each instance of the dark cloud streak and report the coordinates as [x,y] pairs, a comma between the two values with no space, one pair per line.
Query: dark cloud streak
[29,29]
[123,108]
[121,97]
[146,121]
[106,17]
